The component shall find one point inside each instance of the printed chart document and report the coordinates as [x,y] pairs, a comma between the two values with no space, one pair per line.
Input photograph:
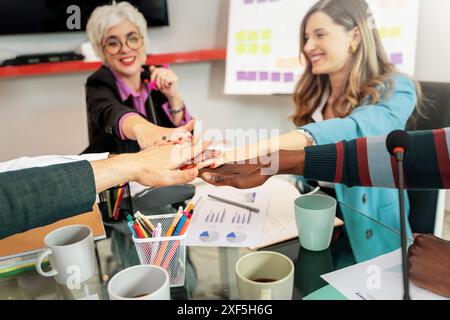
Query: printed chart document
[361,281]
[218,224]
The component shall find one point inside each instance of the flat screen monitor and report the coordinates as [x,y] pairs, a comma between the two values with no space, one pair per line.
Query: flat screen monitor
[48,16]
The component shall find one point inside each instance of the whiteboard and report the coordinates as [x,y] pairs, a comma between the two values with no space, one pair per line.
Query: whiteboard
[264,41]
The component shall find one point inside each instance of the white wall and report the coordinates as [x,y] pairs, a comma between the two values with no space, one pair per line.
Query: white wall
[433,52]
[46,114]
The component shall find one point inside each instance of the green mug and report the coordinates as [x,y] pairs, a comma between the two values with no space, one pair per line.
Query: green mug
[315,215]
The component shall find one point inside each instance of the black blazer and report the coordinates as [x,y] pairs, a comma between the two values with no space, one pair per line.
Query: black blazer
[104,110]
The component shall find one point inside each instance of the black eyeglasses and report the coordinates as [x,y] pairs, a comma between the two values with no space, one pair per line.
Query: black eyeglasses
[113,45]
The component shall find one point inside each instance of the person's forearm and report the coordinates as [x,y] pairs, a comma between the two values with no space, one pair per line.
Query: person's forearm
[132,124]
[113,171]
[292,162]
[176,103]
[39,196]
[292,141]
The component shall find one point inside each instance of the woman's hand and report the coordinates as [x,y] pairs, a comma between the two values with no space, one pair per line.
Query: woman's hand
[167,83]
[149,135]
[153,167]
[159,166]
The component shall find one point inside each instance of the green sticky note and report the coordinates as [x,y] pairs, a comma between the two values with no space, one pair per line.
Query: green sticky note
[241,48]
[266,34]
[253,49]
[266,49]
[241,36]
[252,36]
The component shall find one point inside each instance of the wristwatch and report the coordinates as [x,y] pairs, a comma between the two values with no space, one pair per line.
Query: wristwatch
[174,111]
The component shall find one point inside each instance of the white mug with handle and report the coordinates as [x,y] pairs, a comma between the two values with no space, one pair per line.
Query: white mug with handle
[72,255]
[265,275]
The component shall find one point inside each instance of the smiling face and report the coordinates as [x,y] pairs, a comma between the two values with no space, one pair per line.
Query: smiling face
[124,49]
[327,44]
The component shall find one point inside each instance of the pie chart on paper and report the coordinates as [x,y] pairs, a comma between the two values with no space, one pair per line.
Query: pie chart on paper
[209,236]
[236,237]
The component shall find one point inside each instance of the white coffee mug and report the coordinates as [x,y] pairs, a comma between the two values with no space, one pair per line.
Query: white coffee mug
[71,253]
[265,275]
[141,282]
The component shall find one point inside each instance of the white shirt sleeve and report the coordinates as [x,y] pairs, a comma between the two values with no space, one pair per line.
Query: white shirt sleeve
[43,161]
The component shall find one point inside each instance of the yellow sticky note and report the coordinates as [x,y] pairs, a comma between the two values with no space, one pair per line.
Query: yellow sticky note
[241,36]
[253,48]
[266,34]
[252,36]
[241,49]
[390,32]
[266,49]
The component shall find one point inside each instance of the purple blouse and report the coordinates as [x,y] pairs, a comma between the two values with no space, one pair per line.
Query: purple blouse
[139,103]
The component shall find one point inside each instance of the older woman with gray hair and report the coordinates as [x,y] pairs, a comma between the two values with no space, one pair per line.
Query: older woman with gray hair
[130,106]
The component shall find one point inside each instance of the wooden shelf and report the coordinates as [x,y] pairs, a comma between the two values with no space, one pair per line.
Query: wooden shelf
[80,66]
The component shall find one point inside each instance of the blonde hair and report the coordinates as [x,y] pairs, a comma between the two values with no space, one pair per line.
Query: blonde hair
[371,72]
[105,17]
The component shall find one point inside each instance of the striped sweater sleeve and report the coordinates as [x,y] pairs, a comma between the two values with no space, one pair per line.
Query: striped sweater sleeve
[366,162]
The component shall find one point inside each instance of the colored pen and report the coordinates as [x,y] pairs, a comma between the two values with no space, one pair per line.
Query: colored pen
[175,221]
[147,230]
[180,225]
[140,232]
[185,226]
[130,226]
[150,225]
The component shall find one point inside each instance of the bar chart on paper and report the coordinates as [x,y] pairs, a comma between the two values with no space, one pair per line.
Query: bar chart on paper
[220,224]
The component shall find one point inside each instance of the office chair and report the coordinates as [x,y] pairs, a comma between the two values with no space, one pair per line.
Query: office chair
[428,206]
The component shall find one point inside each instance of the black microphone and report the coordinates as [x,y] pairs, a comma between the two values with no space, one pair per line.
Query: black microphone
[150,108]
[145,74]
[398,143]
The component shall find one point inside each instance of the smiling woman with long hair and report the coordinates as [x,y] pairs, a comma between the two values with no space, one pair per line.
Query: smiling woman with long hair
[349,90]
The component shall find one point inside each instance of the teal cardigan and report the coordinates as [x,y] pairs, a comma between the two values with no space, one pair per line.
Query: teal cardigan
[366,238]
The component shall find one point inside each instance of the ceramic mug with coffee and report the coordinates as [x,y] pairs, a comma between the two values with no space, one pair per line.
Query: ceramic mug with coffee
[265,275]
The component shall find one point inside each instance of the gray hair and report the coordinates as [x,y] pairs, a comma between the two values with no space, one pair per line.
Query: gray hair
[105,17]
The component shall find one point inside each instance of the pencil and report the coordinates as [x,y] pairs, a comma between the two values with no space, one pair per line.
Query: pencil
[234,203]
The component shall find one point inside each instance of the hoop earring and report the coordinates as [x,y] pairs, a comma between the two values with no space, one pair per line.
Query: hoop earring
[354,49]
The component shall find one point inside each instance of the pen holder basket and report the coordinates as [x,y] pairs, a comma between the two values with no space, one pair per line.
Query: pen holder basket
[166,252]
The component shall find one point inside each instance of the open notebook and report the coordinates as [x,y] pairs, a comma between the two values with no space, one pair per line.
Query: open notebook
[32,241]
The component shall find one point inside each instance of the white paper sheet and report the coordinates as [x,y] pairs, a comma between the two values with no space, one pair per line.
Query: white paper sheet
[377,279]
[219,224]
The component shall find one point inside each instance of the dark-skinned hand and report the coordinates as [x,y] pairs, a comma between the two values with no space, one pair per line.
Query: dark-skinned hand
[429,264]
[253,173]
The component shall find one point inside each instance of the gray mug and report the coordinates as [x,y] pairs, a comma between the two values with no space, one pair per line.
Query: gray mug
[72,255]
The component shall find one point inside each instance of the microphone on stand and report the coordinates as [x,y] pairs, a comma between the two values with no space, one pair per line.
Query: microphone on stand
[150,108]
[398,143]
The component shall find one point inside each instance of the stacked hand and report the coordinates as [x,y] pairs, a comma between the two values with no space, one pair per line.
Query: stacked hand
[160,166]
[148,135]
[254,172]
[429,264]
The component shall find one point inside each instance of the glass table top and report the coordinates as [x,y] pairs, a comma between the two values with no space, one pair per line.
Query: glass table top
[209,270]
